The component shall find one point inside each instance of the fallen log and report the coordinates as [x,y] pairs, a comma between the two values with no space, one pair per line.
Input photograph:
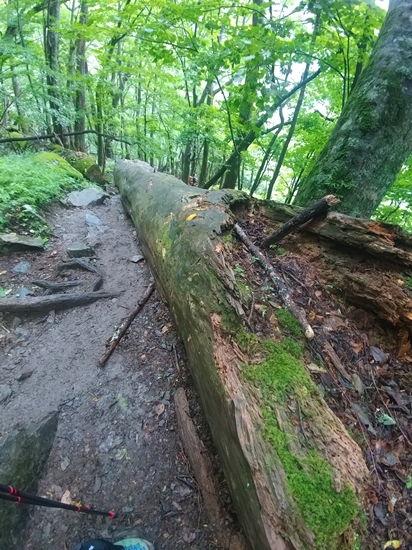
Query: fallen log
[262,452]
[315,210]
[378,239]
[47,303]
[205,476]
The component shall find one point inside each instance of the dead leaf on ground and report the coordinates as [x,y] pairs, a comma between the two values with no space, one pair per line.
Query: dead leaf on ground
[379,356]
[159,409]
[357,347]
[66,498]
[191,217]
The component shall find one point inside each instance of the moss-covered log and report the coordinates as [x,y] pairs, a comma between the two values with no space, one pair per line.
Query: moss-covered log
[291,491]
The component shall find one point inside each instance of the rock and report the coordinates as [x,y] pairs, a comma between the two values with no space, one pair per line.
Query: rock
[23,454]
[22,267]
[65,463]
[79,250]
[86,197]
[14,242]
[136,259]
[5,392]
[20,331]
[92,220]
[23,291]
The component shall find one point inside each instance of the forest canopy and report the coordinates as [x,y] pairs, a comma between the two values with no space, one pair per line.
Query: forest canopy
[243,94]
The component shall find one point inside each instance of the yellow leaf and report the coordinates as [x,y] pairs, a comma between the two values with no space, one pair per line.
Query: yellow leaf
[393,544]
[191,217]
[312,315]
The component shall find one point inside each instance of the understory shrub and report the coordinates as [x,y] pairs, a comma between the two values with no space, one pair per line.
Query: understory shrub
[27,186]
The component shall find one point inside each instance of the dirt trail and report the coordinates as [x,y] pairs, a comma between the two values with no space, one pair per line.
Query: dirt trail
[117,447]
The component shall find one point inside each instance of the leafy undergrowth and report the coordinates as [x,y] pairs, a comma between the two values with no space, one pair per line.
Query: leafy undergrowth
[27,184]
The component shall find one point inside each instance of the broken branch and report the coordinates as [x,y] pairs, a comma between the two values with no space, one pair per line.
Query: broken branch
[318,208]
[57,301]
[124,326]
[281,288]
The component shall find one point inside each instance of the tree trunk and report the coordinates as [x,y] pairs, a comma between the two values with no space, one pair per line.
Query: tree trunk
[51,48]
[191,265]
[372,138]
[80,122]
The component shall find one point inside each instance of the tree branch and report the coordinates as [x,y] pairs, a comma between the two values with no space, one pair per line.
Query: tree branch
[51,136]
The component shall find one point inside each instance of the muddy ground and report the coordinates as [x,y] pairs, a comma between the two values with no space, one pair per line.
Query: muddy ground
[117,446]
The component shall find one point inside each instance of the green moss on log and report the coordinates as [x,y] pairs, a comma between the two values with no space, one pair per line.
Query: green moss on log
[281,377]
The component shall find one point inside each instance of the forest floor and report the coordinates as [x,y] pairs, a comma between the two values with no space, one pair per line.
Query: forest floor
[361,363]
[117,446]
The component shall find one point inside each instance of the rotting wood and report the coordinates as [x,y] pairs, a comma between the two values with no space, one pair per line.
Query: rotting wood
[281,288]
[204,474]
[56,287]
[121,331]
[378,239]
[79,263]
[56,301]
[315,210]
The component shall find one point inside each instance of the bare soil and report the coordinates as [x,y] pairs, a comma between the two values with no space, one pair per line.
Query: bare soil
[117,446]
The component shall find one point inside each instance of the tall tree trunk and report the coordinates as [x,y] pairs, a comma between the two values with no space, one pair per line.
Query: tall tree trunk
[186,163]
[17,97]
[266,158]
[51,48]
[80,122]
[372,138]
[101,157]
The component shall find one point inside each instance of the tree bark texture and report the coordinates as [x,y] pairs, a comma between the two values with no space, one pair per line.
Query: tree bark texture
[80,122]
[180,233]
[372,138]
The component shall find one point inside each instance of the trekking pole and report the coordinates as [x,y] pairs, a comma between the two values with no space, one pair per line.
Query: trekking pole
[7,492]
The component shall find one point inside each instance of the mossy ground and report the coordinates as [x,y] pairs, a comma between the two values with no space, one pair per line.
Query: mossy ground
[282,378]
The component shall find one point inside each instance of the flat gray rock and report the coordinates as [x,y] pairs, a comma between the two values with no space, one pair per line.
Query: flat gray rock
[12,241]
[22,267]
[5,392]
[86,197]
[79,250]
[92,220]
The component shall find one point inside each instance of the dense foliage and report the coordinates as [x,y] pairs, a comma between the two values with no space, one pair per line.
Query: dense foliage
[28,183]
[254,87]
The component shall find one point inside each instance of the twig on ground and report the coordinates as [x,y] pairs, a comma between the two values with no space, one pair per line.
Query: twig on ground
[55,287]
[125,325]
[281,289]
[176,359]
